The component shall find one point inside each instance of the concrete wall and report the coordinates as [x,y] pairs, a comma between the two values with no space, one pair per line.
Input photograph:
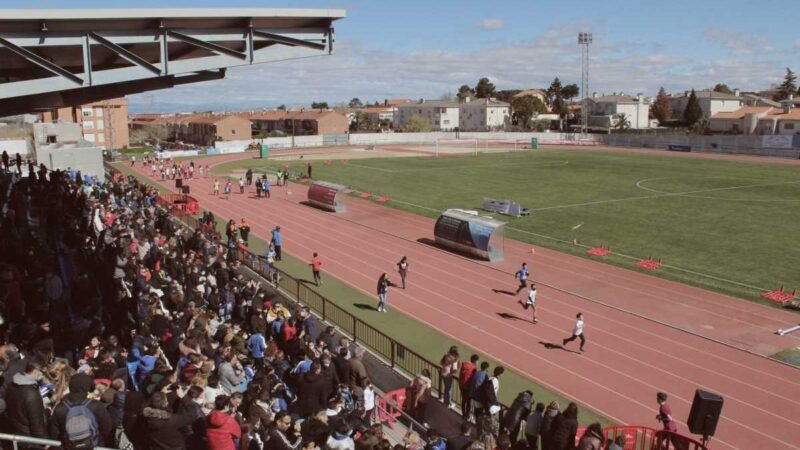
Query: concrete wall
[738,145]
[89,160]
[14,146]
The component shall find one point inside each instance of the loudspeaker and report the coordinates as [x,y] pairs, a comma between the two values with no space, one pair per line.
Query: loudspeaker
[706,409]
[178,182]
[185,189]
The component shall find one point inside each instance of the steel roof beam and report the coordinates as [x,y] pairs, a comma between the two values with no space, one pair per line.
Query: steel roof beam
[286,40]
[125,53]
[214,48]
[41,62]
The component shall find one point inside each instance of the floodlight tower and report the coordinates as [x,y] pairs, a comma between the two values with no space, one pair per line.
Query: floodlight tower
[584,39]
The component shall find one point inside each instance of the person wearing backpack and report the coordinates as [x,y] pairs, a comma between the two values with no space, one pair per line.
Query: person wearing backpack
[79,422]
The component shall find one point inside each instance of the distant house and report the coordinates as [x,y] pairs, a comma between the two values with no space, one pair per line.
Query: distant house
[483,114]
[300,123]
[396,102]
[711,102]
[604,110]
[758,120]
[379,113]
[536,93]
[205,129]
[441,115]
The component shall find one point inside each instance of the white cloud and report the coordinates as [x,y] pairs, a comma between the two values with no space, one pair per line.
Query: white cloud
[493,24]
[740,43]
[358,70]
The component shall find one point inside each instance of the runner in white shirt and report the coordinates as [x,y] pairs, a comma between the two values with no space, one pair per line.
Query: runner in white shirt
[531,301]
[577,332]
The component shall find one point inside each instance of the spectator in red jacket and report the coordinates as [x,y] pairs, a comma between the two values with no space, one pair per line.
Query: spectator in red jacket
[464,377]
[223,430]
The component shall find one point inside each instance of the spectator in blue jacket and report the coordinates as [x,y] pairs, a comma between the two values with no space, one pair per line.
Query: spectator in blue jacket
[276,240]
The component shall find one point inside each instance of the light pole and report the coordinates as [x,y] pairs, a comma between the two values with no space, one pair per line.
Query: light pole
[584,39]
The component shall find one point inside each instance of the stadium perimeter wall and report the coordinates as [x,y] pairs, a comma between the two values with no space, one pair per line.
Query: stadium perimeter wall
[768,145]
[404,138]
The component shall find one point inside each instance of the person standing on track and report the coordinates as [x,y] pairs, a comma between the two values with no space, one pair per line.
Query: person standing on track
[241,185]
[531,301]
[266,186]
[277,241]
[665,417]
[216,187]
[577,332]
[228,190]
[383,291]
[522,275]
[258,187]
[309,169]
[402,269]
[315,266]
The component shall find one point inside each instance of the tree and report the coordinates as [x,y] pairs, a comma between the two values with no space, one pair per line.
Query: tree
[355,103]
[506,95]
[723,88]
[662,109]
[464,91]
[417,124]
[788,87]
[361,122]
[621,121]
[282,107]
[447,97]
[570,91]
[319,105]
[554,92]
[693,111]
[526,108]
[484,88]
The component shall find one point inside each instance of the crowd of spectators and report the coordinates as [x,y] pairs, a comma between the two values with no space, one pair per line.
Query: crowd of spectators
[122,328]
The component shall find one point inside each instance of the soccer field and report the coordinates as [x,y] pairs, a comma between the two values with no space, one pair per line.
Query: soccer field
[729,226]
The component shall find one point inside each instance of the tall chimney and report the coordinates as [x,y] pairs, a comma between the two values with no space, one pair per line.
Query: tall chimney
[736,92]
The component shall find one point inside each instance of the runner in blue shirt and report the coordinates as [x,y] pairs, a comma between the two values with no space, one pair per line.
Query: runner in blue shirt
[522,276]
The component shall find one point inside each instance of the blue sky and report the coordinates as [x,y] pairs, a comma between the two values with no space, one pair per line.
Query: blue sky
[423,49]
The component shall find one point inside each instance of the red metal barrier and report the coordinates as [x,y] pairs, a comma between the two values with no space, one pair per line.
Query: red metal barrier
[646,438]
[388,412]
[178,202]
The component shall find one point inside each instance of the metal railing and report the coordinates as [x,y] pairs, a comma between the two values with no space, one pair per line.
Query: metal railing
[29,441]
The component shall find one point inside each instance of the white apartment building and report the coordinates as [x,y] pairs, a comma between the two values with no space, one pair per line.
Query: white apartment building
[604,110]
[441,115]
[484,114]
[710,102]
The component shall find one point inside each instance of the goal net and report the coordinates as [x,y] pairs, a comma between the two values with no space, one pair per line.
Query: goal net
[503,145]
[456,146]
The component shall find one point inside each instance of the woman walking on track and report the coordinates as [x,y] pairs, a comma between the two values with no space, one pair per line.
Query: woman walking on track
[577,332]
[383,291]
[531,301]
[315,265]
[522,275]
[665,417]
[402,268]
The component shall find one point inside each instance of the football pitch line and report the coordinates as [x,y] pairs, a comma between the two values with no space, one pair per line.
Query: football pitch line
[665,194]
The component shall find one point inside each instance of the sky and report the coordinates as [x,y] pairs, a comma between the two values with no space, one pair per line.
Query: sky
[427,48]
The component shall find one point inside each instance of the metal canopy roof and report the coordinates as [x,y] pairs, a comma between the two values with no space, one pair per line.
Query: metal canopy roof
[52,58]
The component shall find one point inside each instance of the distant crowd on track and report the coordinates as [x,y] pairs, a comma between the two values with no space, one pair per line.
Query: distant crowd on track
[280,350]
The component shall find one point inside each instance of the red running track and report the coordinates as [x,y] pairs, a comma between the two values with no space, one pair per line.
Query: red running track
[628,357]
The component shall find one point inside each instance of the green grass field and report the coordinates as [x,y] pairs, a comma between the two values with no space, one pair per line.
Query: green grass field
[727,226]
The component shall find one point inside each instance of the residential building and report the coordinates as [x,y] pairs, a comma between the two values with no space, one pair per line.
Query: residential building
[746,120]
[759,120]
[536,93]
[392,102]
[299,123]
[711,102]
[103,123]
[484,114]
[61,145]
[757,100]
[379,113]
[605,110]
[440,115]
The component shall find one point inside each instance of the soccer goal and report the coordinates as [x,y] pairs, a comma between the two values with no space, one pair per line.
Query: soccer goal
[456,146]
[503,145]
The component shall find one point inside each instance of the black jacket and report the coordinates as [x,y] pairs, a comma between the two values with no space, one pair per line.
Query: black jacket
[59,417]
[518,411]
[312,394]
[25,408]
[165,431]
[563,433]
[460,442]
